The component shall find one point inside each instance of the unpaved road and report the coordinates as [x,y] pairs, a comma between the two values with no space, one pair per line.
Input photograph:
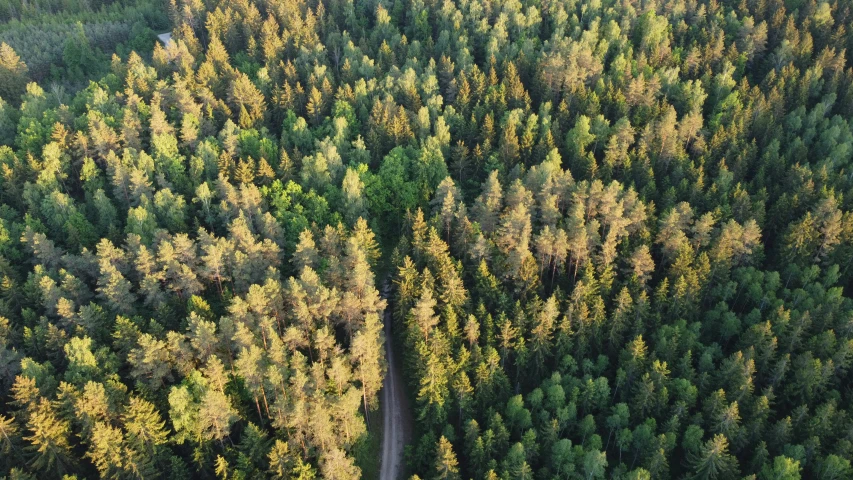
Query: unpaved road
[394,407]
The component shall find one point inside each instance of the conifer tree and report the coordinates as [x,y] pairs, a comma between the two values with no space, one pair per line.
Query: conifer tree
[48,437]
[13,75]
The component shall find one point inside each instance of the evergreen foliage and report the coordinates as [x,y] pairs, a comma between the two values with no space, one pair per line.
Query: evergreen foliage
[617,237]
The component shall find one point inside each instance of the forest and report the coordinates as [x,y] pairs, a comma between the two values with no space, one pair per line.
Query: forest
[606,238]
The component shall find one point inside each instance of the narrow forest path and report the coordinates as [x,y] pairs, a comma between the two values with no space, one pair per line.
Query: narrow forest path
[394,408]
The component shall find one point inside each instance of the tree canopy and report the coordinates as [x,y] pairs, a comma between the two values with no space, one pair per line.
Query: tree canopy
[617,238]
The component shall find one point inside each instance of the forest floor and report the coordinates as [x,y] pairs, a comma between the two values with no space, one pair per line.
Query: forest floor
[395,409]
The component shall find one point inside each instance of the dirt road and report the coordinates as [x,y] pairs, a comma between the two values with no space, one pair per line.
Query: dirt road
[394,409]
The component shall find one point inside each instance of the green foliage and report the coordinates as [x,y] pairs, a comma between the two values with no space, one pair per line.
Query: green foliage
[619,238]
[70,42]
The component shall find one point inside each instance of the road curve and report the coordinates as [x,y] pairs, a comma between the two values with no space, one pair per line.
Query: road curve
[393,436]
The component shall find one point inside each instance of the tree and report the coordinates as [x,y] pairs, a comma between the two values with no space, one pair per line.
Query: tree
[444,204]
[713,460]
[280,460]
[216,415]
[115,289]
[78,55]
[306,254]
[642,264]
[509,147]
[783,468]
[488,205]
[833,467]
[48,438]
[424,312]
[446,466]
[542,332]
[336,465]
[215,259]
[354,201]
[617,420]
[9,438]
[13,75]
[247,101]
[145,429]
[366,349]
[577,140]
[184,409]
[108,452]
[250,366]
[151,361]
[315,105]
[616,152]
[594,463]
[433,391]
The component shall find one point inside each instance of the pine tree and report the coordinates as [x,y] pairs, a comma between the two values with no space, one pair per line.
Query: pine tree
[107,451]
[509,145]
[367,346]
[444,204]
[247,101]
[315,106]
[336,465]
[713,460]
[306,254]
[446,464]
[354,201]
[151,361]
[145,428]
[216,415]
[487,206]
[48,439]
[13,75]
[423,313]
[9,439]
